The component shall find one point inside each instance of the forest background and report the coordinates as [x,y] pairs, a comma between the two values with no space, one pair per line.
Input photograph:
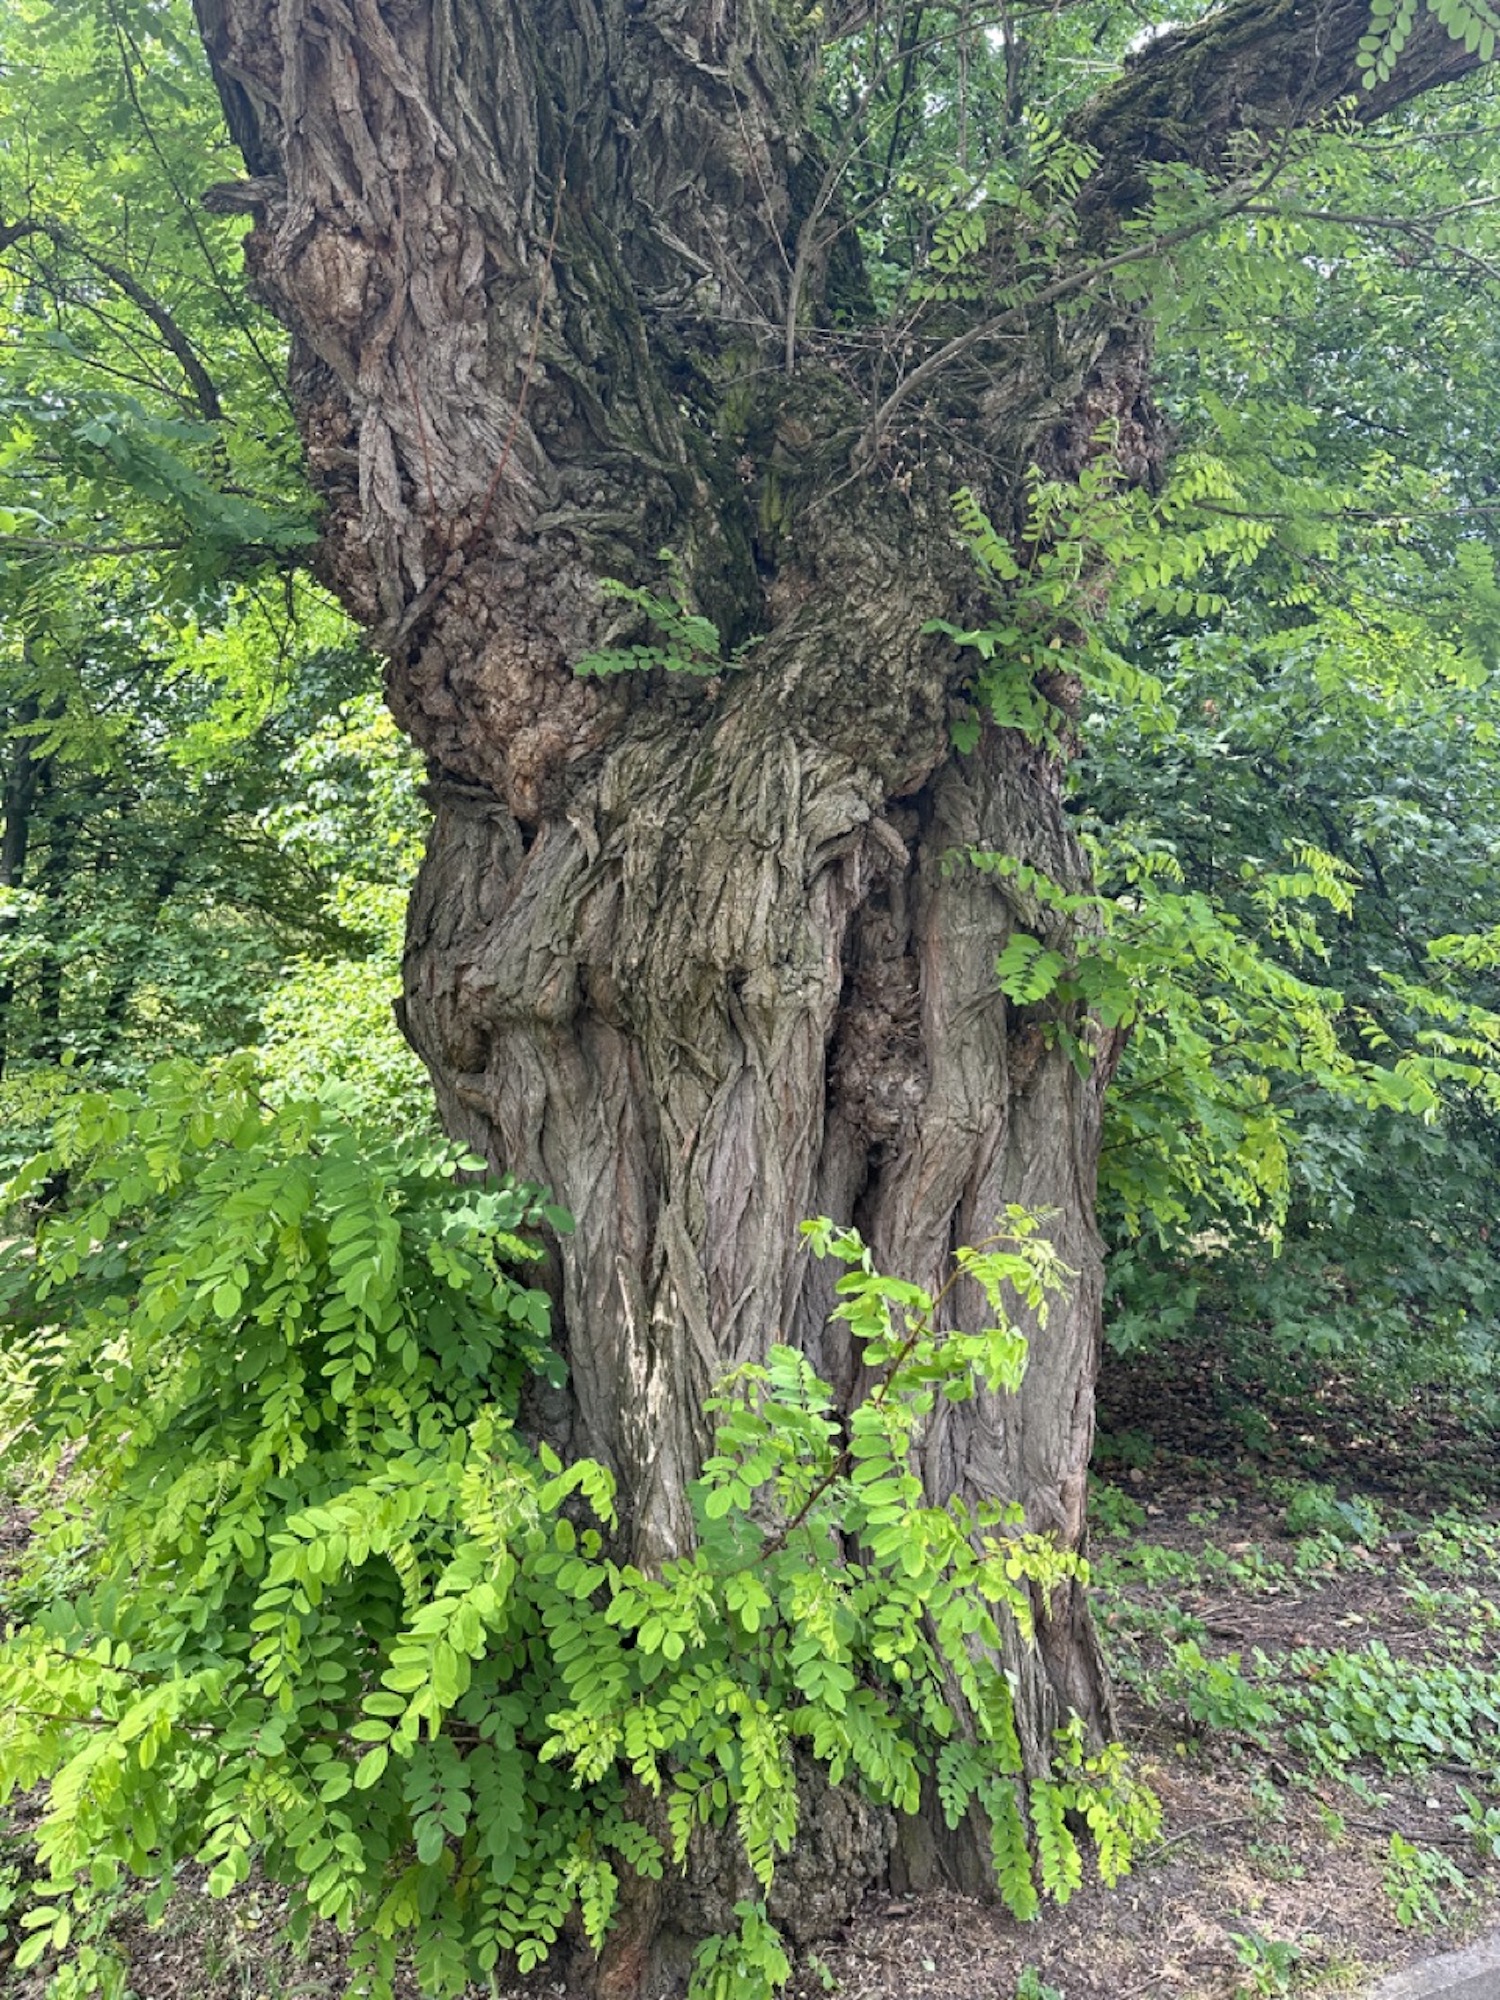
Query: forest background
[1287,768]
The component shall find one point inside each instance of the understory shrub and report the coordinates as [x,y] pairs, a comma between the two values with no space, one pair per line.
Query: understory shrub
[304,1598]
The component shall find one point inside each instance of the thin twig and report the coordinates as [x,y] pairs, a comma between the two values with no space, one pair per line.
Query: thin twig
[1015,315]
[1190,1833]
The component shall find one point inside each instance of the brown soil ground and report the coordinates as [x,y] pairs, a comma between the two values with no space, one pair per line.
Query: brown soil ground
[1257,1844]
[1254,1847]
[1269,1875]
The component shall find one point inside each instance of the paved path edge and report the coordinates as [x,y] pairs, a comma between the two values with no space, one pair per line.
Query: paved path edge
[1472,1974]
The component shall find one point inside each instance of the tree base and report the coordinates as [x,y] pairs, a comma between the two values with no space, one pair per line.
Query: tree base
[846,1846]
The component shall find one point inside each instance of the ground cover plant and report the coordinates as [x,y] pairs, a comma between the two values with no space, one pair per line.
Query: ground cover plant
[1236,1619]
[309,1601]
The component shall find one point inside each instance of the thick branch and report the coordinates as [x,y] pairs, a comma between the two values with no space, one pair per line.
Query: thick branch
[1263,67]
[1259,71]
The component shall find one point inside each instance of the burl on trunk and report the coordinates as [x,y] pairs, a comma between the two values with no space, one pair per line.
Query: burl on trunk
[567,285]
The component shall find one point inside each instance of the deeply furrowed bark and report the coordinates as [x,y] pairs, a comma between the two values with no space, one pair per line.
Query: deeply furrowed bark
[705,959]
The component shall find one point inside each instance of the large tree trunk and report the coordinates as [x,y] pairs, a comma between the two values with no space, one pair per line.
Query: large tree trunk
[738,985]
[705,957]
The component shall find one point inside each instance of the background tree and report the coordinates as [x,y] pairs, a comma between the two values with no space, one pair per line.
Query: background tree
[1337,700]
[184,713]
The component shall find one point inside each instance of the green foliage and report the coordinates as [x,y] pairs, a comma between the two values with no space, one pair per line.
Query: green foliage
[1280,671]
[690,643]
[1472,22]
[12,1898]
[143,432]
[1216,1019]
[224,854]
[1415,1881]
[1333,1722]
[1314,1509]
[1481,1822]
[1401,1714]
[1269,1964]
[1336,1161]
[315,1605]
[1032,1986]
[1344,1709]
[169,684]
[328,1027]
[328,1022]
[1259,1094]
[1340,701]
[1113,1512]
[1020,201]
[266,1338]
[1233,1022]
[1216,1694]
[747,1964]
[1085,547]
